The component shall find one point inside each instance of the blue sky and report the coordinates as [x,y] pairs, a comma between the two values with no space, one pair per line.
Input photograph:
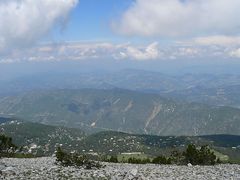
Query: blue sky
[91,20]
[126,30]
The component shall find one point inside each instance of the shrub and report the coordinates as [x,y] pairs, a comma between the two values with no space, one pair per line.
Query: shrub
[176,157]
[113,159]
[146,161]
[161,160]
[138,161]
[75,159]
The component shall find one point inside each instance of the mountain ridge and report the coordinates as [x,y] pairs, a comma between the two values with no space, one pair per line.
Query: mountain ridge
[122,110]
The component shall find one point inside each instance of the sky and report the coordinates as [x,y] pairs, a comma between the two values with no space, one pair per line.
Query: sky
[119,30]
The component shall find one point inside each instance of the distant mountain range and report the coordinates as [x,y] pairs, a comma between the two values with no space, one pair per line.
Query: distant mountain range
[219,90]
[121,110]
[222,96]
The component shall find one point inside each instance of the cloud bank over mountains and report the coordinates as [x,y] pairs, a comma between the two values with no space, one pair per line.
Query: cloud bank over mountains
[79,51]
[23,22]
[76,51]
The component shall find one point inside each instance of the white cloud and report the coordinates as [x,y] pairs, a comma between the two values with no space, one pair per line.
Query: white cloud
[217,40]
[23,22]
[84,51]
[148,53]
[188,51]
[78,51]
[180,18]
[235,53]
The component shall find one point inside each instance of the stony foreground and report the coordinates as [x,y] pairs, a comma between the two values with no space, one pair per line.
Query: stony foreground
[45,168]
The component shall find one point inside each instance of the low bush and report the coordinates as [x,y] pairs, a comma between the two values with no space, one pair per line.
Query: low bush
[138,161]
[161,160]
[196,156]
[113,159]
[75,159]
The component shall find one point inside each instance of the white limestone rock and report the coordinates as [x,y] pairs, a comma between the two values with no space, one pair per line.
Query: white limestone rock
[45,168]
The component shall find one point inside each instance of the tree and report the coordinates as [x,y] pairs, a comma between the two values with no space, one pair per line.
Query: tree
[6,146]
[61,156]
[203,156]
[191,154]
[206,156]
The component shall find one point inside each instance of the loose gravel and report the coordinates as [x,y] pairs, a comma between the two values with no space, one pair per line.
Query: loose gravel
[45,168]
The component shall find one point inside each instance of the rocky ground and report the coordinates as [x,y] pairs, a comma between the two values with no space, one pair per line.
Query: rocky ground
[45,168]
